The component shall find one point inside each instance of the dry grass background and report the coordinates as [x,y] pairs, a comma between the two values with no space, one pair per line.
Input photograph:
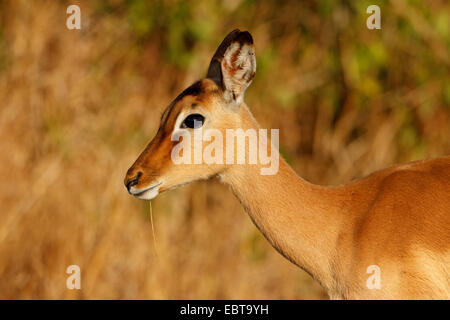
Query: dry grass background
[77,107]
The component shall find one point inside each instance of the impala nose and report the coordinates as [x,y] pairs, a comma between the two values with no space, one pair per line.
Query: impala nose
[129,182]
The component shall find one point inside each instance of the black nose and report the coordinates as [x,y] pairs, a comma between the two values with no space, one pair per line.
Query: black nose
[134,181]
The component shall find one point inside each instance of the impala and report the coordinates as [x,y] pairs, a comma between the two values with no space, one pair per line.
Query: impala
[396,219]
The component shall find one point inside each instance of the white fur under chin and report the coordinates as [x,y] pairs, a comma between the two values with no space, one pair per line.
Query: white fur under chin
[149,194]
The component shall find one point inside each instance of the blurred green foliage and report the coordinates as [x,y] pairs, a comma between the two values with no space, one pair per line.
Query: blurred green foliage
[351,66]
[355,66]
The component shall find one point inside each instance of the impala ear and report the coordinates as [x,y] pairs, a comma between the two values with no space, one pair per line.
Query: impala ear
[233,66]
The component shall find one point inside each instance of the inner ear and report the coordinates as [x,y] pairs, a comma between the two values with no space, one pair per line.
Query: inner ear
[215,69]
[233,66]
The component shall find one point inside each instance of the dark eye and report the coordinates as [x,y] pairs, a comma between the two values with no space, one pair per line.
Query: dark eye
[193,121]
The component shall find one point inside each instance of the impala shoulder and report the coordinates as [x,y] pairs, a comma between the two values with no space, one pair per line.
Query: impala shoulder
[420,176]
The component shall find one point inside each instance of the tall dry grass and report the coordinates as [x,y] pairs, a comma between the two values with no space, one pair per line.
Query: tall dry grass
[77,107]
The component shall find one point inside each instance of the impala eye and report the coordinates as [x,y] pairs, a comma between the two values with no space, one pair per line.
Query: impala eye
[193,121]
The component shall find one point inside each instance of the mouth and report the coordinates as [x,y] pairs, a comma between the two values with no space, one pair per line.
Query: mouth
[147,193]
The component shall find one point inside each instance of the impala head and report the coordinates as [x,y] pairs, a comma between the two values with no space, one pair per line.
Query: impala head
[211,103]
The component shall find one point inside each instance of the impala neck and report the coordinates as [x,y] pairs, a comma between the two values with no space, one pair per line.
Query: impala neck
[301,220]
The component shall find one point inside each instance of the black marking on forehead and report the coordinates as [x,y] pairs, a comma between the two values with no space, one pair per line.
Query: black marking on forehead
[194,90]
